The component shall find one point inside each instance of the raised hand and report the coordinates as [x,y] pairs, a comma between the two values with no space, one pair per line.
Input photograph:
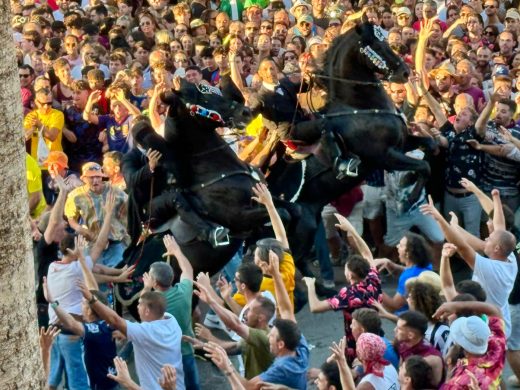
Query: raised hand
[274,264]
[126,275]
[110,203]
[454,220]
[429,209]
[202,293]
[202,332]
[172,248]
[225,287]
[46,337]
[218,356]
[468,185]
[338,351]
[344,224]
[262,194]
[95,96]
[448,250]
[123,375]
[204,280]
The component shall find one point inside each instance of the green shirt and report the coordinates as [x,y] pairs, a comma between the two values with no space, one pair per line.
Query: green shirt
[255,352]
[178,304]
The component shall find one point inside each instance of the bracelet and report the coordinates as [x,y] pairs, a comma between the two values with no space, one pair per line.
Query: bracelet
[55,304]
[92,300]
[229,373]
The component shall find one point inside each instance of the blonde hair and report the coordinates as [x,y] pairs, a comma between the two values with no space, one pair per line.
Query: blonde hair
[163,36]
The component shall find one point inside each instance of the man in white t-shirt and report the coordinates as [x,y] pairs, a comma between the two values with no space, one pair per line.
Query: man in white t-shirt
[156,340]
[496,273]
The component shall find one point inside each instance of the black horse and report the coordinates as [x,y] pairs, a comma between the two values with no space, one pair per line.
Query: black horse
[211,177]
[363,119]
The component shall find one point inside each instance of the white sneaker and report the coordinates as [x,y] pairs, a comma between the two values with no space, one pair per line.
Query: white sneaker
[213,321]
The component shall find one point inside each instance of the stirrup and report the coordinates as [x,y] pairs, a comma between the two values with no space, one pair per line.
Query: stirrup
[355,163]
[219,237]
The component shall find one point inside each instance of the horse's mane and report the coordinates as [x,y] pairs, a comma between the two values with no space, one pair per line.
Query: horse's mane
[335,54]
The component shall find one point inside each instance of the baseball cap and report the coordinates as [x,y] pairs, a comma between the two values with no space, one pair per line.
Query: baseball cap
[512,14]
[501,70]
[305,18]
[471,333]
[92,169]
[403,10]
[57,157]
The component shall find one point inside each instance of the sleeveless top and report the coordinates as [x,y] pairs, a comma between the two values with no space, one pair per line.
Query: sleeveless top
[390,380]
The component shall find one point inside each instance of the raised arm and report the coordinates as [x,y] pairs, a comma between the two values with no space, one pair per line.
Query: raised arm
[338,355]
[499,220]
[361,246]
[103,312]
[484,200]
[422,43]
[56,216]
[451,234]
[434,106]
[484,116]
[448,308]
[229,318]
[282,297]
[102,238]
[447,284]
[155,118]
[263,196]
[88,113]
[120,97]
[173,249]
[315,304]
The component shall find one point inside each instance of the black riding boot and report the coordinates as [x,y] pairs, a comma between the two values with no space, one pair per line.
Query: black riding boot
[171,200]
[343,166]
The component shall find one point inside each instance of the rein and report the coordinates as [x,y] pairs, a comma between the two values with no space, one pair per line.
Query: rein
[248,172]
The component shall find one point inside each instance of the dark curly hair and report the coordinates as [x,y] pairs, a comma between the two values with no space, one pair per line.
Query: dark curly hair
[419,251]
[425,297]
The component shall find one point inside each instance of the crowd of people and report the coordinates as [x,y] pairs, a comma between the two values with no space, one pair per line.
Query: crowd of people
[90,69]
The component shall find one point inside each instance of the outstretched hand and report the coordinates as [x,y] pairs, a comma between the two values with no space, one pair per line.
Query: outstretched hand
[429,209]
[338,351]
[262,194]
[343,223]
[448,250]
[202,293]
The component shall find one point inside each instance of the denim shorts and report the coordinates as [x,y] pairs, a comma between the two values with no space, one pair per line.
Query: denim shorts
[513,341]
[67,357]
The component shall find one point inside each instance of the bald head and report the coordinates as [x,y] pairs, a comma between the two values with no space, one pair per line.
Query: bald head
[506,240]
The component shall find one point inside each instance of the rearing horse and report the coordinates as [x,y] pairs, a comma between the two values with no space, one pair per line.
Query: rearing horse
[363,119]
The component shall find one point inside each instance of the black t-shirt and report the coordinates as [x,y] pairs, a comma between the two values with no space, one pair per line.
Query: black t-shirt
[514,297]
[45,255]
[100,351]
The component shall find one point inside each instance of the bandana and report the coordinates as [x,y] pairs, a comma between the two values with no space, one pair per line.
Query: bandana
[370,349]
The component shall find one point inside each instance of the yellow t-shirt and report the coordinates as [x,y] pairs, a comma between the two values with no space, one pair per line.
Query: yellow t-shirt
[34,184]
[54,118]
[287,270]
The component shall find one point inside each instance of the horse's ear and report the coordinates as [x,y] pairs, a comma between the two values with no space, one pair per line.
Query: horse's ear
[359,28]
[364,18]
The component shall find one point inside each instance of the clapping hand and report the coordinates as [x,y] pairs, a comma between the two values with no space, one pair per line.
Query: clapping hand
[448,250]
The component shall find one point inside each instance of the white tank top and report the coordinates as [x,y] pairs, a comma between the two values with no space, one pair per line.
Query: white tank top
[389,381]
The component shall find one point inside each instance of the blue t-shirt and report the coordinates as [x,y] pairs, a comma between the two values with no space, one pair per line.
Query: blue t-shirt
[290,371]
[100,351]
[390,353]
[118,133]
[408,273]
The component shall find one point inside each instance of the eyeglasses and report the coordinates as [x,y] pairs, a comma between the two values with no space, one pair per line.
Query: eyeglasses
[403,17]
[489,33]
[305,24]
[145,23]
[180,60]
[25,76]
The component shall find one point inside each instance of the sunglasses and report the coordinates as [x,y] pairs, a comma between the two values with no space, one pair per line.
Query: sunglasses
[45,104]
[145,23]
[25,76]
[489,33]
[403,17]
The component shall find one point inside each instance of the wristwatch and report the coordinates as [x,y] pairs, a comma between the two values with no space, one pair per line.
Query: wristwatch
[92,300]
[55,304]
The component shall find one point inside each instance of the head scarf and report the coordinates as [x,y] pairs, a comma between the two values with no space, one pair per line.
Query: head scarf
[370,349]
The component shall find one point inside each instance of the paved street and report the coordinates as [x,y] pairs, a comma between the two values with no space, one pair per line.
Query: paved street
[320,330]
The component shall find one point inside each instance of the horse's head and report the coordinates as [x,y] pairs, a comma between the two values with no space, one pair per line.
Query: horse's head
[375,53]
[206,106]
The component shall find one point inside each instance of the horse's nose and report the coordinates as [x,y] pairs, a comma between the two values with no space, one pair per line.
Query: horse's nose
[406,74]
